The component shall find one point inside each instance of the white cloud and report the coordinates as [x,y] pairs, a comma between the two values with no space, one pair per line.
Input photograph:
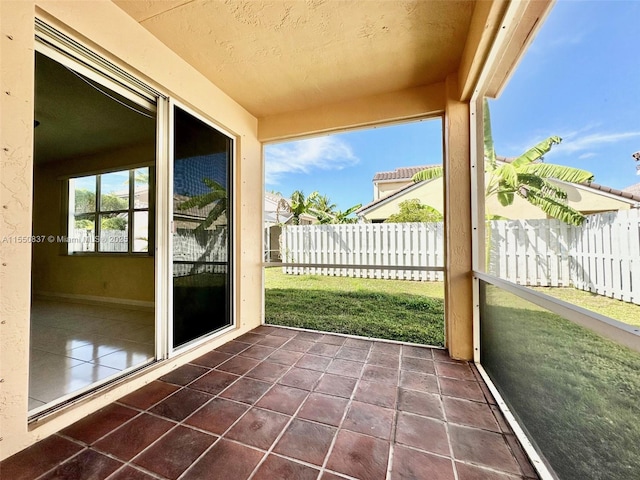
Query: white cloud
[592,141]
[305,156]
[584,156]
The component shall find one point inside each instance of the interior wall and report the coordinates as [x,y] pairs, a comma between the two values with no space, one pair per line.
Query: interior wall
[104,27]
[124,277]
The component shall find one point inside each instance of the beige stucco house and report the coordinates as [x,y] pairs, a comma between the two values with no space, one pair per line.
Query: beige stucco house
[204,85]
[393,188]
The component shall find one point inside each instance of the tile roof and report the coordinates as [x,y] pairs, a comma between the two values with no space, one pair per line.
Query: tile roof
[633,189]
[631,193]
[402,173]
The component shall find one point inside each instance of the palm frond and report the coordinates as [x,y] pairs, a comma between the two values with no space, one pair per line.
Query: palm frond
[555,209]
[560,172]
[428,174]
[543,186]
[535,153]
[489,150]
[505,197]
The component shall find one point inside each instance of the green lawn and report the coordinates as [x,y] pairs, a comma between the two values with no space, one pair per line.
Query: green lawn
[391,309]
[576,393]
[616,309]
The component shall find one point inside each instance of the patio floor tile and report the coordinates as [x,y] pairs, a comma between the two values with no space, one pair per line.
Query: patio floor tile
[325,349]
[313,362]
[301,378]
[181,404]
[409,463]
[232,347]
[246,390]
[294,405]
[417,352]
[324,409]
[424,433]
[225,461]
[211,359]
[359,456]
[473,472]
[454,370]
[238,365]
[98,424]
[88,464]
[461,389]
[285,357]
[383,360]
[39,458]
[370,420]
[258,352]
[348,368]
[134,436]
[258,428]
[482,447]
[184,375]
[306,441]
[472,414]
[422,382]
[296,345]
[149,395]
[426,404]
[417,365]
[275,467]
[267,371]
[217,415]
[283,399]
[352,353]
[376,394]
[214,382]
[175,452]
[130,473]
[373,373]
[336,385]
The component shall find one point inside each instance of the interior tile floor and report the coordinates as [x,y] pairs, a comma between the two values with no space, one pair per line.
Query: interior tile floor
[287,404]
[75,345]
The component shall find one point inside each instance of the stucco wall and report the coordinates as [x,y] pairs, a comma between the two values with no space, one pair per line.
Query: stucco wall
[108,30]
[432,194]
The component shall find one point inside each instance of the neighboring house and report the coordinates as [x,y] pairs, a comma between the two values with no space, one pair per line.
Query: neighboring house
[399,186]
[633,190]
[276,211]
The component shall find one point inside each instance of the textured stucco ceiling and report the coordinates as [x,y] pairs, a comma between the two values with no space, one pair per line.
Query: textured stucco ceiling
[281,56]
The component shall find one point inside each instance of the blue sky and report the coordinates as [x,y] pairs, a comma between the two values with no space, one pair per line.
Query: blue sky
[580,80]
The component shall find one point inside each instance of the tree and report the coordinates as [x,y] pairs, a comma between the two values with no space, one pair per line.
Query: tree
[300,204]
[339,216]
[413,211]
[217,196]
[527,176]
[323,206]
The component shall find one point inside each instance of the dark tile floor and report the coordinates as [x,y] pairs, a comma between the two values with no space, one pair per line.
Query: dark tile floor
[295,405]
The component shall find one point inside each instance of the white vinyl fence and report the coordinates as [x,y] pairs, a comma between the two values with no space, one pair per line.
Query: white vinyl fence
[602,256]
[199,252]
[377,245]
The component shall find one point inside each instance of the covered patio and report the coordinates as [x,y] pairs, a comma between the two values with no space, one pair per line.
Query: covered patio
[281,403]
[247,400]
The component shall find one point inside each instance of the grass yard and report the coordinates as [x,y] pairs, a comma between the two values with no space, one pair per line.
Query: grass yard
[391,309]
[576,393]
[616,309]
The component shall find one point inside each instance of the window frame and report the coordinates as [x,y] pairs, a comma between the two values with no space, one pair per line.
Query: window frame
[70,213]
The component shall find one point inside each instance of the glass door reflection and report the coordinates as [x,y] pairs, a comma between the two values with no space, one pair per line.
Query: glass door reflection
[201,229]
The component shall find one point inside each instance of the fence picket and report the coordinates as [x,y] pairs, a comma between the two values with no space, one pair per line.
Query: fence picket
[601,256]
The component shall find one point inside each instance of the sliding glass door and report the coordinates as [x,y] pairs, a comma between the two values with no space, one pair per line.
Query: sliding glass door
[201,228]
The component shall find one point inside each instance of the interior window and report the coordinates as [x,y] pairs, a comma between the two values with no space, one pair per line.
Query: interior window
[109,212]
